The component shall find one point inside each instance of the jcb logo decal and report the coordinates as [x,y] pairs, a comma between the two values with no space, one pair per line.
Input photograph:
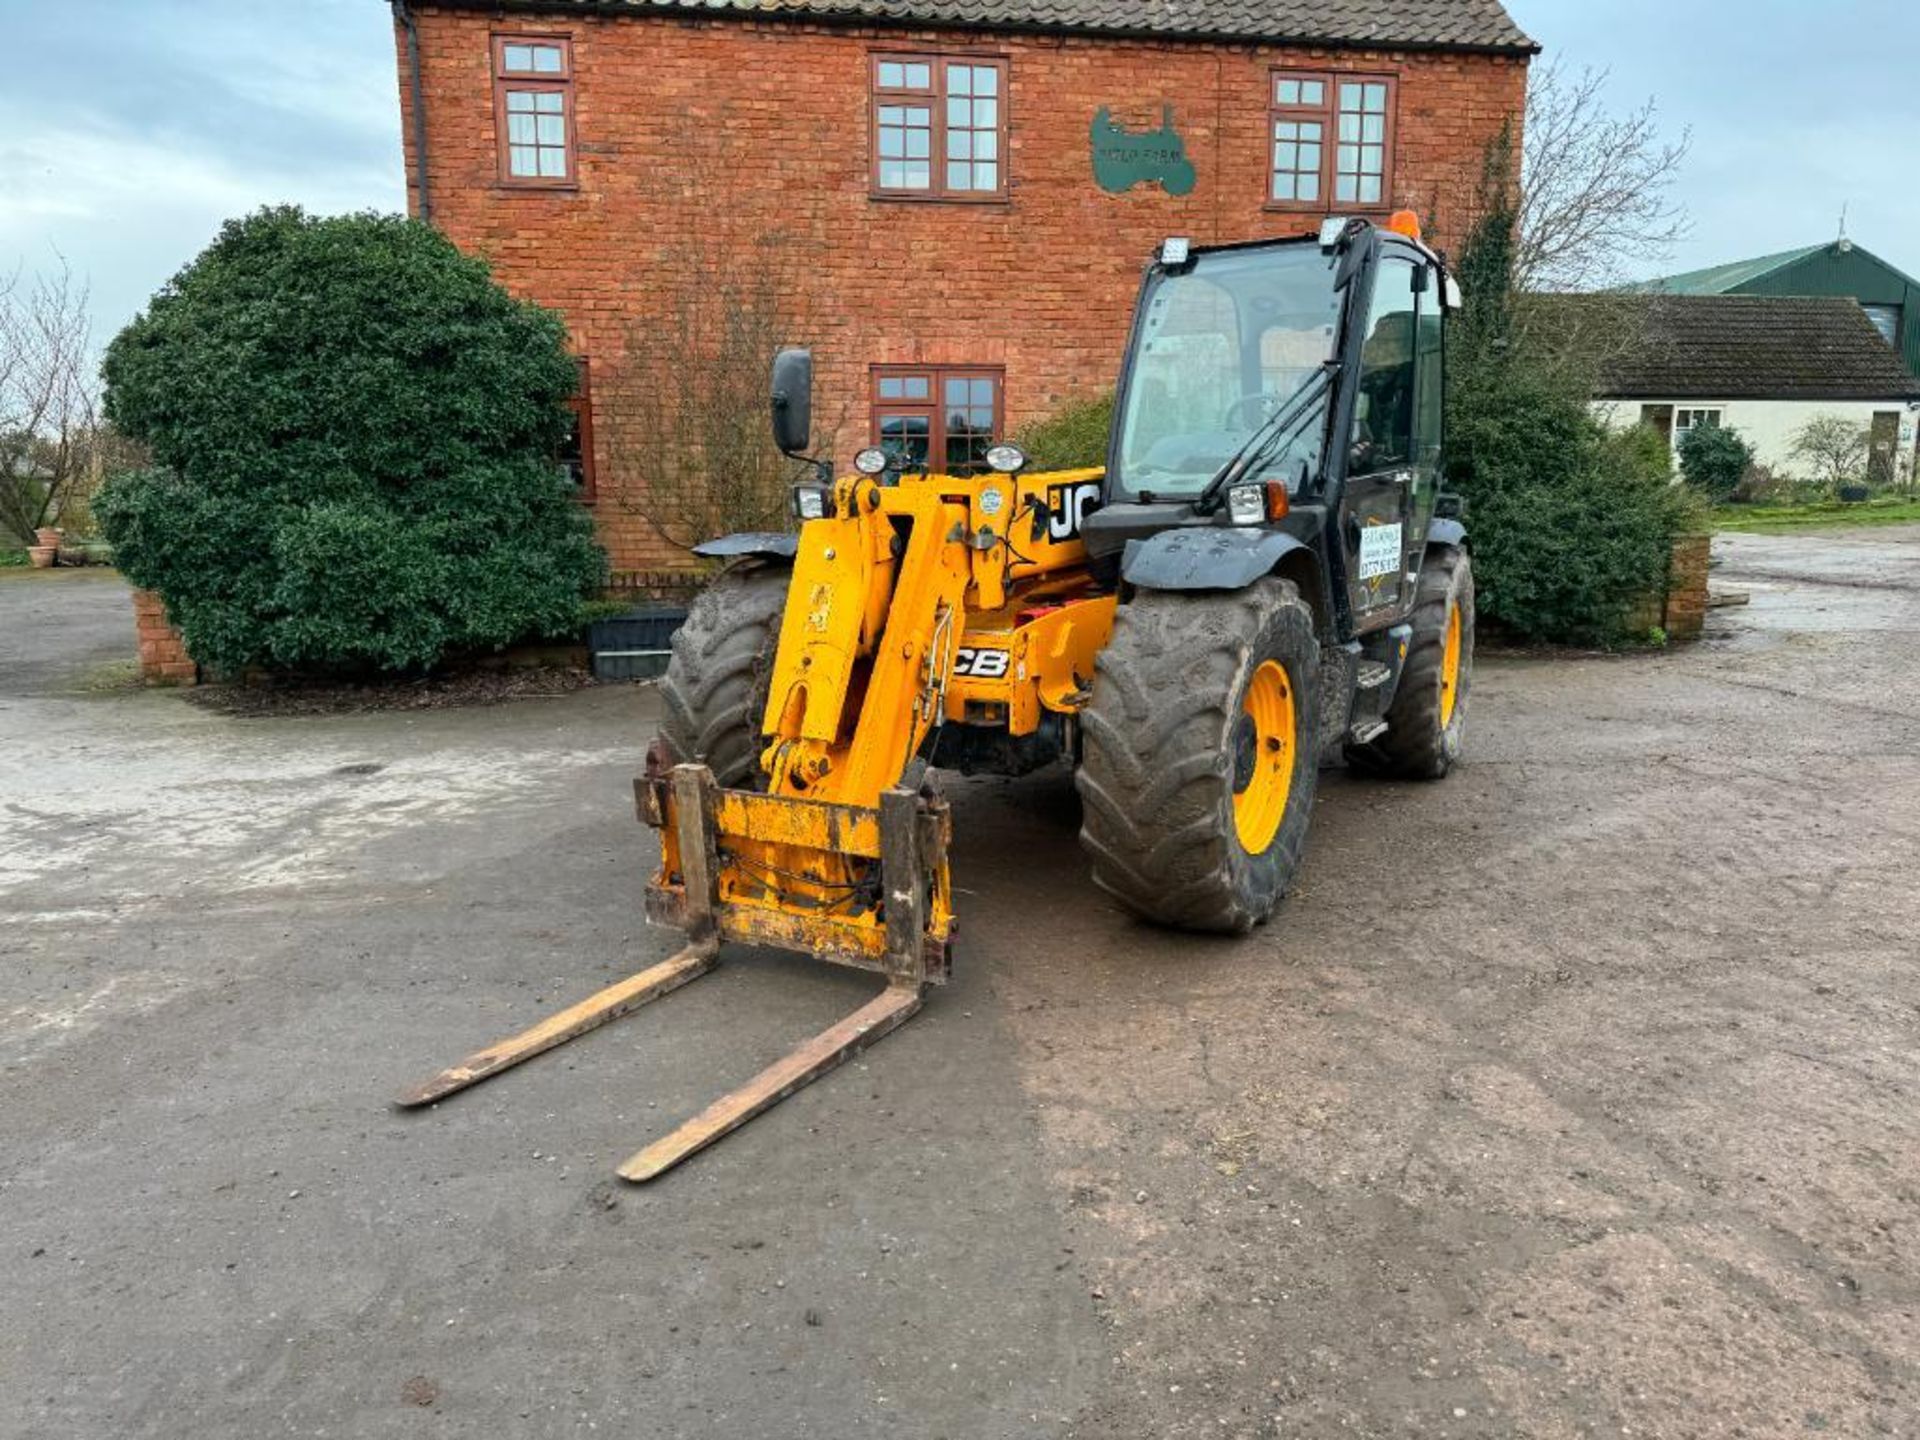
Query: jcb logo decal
[981,664]
[1067,506]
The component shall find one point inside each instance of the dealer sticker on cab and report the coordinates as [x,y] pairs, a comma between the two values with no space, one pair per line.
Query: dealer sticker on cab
[1379,551]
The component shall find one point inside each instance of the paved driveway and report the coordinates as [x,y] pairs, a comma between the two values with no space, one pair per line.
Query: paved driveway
[1570,1097]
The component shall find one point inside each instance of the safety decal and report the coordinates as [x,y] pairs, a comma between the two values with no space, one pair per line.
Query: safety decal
[1379,551]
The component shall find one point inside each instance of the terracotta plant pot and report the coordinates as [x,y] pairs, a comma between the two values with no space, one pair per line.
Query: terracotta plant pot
[48,537]
[42,555]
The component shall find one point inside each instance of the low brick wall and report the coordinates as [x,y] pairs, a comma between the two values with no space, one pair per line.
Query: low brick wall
[1687,587]
[1682,611]
[163,654]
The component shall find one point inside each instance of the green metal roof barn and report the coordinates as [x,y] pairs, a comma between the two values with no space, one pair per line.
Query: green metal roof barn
[1890,297]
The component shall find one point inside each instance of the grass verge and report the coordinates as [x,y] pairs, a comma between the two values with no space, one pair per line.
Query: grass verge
[1771,519]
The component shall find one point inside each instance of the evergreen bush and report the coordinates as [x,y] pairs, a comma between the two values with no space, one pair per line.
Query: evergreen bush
[352,430]
[1571,526]
[1074,437]
[1713,462]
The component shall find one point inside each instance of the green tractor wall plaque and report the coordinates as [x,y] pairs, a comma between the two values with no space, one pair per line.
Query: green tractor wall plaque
[1122,159]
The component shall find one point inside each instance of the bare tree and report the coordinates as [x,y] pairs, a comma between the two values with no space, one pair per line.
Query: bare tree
[1596,187]
[50,433]
[695,456]
[1834,446]
[694,449]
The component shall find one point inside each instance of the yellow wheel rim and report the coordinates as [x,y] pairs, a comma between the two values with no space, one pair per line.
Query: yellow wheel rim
[1450,668]
[1263,740]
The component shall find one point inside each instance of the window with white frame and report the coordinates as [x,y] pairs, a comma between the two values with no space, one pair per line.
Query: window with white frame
[1686,421]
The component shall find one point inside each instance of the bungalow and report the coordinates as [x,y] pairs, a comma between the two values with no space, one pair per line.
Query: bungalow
[1763,365]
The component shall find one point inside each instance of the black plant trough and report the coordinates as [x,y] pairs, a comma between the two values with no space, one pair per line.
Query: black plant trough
[635,646]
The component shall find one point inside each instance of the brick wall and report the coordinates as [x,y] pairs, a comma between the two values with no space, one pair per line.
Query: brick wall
[745,144]
[163,653]
[1686,607]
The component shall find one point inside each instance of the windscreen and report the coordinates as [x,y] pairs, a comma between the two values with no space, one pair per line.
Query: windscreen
[1219,349]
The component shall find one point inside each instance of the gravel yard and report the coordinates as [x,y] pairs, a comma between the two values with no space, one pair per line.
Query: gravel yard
[1574,1096]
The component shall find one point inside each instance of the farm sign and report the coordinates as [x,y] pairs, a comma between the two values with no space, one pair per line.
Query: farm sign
[1123,159]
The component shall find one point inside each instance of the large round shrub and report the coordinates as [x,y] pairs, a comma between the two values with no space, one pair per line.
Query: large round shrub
[353,432]
[1714,460]
[1572,527]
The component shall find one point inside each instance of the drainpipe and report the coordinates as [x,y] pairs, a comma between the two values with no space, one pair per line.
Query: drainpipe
[403,13]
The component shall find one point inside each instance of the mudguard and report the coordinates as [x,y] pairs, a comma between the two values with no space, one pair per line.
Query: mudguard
[1447,532]
[1212,557]
[768,543]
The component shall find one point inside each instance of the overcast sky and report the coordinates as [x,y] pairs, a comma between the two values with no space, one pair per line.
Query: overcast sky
[130,128]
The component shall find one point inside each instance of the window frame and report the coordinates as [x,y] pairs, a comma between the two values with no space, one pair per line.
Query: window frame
[934,408]
[537,82]
[1327,115]
[581,404]
[1680,432]
[935,99]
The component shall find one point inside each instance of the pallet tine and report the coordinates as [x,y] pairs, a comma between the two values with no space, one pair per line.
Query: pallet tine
[576,1020]
[843,1041]
[693,792]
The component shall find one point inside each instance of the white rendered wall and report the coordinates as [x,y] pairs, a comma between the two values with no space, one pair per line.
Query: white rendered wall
[1770,425]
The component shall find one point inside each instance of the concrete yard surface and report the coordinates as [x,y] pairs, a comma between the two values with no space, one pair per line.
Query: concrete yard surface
[1572,1096]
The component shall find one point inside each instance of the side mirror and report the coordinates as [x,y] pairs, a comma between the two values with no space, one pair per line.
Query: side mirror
[793,400]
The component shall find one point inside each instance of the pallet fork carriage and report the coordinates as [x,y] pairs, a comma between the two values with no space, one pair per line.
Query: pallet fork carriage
[907,835]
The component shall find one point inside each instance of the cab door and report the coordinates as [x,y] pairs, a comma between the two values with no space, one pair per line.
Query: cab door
[1379,516]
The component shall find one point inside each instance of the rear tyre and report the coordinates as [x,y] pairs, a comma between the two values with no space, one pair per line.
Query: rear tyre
[1199,763]
[714,693]
[1427,720]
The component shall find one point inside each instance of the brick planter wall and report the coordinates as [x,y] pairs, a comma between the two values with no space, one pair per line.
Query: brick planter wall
[1687,587]
[1682,611]
[163,653]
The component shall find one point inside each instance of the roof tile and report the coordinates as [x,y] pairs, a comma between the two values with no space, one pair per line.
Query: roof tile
[1443,24]
[1735,347]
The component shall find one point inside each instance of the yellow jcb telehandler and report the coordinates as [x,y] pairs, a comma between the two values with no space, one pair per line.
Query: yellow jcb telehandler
[1266,576]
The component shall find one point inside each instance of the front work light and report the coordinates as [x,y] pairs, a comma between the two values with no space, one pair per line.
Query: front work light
[812,502]
[1007,459]
[871,461]
[1247,504]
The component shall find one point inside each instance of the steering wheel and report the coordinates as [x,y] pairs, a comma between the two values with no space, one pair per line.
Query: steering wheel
[1258,397]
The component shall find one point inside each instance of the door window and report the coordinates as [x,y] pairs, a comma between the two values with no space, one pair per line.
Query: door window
[1430,378]
[1383,412]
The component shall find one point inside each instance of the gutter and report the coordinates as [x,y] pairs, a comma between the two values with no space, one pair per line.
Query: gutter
[404,16]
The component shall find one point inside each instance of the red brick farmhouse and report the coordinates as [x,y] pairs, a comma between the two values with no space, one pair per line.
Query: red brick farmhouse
[952,198]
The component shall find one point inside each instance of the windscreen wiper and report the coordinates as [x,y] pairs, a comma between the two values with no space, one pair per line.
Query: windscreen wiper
[1277,427]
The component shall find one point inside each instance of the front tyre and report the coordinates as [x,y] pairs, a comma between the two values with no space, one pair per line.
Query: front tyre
[1427,720]
[714,694]
[1200,761]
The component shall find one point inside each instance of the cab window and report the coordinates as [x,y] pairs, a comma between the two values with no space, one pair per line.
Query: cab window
[1383,412]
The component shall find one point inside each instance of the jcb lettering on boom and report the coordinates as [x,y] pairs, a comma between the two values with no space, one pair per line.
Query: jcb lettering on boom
[980,664]
[1067,507]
